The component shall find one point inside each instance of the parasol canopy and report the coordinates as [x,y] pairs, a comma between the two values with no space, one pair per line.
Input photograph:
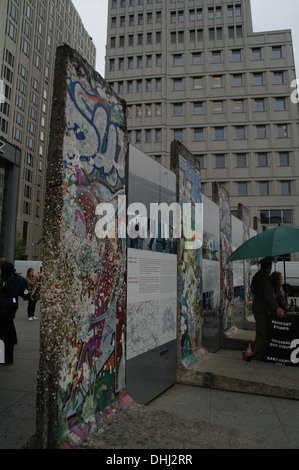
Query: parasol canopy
[277,241]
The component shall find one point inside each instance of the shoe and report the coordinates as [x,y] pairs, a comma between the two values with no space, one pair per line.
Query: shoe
[30,318]
[35,318]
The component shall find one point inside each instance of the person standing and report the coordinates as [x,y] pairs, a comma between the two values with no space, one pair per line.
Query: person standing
[32,281]
[8,308]
[263,304]
[279,294]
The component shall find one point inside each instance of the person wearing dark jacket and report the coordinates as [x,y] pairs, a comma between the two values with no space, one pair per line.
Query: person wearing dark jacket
[8,308]
[263,304]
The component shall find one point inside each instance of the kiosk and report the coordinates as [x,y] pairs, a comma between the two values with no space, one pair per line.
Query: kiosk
[283,339]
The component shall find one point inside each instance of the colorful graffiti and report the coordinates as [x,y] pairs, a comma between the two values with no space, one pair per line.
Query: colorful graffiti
[92,365]
[221,197]
[189,265]
[243,214]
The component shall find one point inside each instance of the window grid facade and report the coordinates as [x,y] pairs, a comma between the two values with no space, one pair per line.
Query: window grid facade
[30,31]
[224,92]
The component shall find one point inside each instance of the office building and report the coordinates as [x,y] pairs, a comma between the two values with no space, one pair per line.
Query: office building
[30,31]
[194,71]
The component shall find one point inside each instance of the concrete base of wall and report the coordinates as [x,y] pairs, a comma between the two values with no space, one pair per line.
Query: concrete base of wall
[223,372]
[249,323]
[237,339]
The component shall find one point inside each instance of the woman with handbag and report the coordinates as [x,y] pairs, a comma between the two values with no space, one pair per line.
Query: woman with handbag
[33,287]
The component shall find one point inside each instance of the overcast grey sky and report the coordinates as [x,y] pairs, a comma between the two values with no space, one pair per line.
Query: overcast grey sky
[266,15]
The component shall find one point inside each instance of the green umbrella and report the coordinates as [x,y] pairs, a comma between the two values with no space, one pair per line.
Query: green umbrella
[277,241]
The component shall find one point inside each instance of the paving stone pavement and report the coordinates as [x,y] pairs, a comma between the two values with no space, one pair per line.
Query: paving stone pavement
[183,417]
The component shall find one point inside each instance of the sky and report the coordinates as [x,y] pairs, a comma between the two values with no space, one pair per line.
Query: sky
[267,15]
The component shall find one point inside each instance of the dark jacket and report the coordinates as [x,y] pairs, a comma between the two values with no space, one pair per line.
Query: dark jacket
[263,294]
[8,289]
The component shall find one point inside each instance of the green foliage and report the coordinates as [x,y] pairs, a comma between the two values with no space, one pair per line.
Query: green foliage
[20,252]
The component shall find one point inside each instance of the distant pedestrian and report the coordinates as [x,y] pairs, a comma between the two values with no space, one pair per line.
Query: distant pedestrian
[279,294]
[33,287]
[8,308]
[263,304]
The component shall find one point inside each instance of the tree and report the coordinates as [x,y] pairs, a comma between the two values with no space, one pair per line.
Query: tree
[20,252]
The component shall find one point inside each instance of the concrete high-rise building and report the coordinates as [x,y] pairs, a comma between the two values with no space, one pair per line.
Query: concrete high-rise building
[30,31]
[194,71]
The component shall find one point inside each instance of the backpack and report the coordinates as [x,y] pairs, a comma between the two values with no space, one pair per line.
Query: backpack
[22,287]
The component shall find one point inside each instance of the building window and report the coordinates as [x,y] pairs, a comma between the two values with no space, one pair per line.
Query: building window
[177,60]
[264,188]
[139,86]
[197,82]
[181,37]
[148,135]
[196,58]
[285,187]
[280,104]
[220,160]
[236,55]
[242,188]
[240,132]
[261,132]
[26,207]
[284,159]
[278,78]
[158,134]
[112,64]
[199,14]
[138,136]
[130,62]
[201,160]
[218,106]
[219,133]
[211,13]
[282,130]
[217,81]
[198,134]
[178,109]
[198,107]
[237,80]
[256,53]
[258,78]
[262,159]
[148,84]
[138,110]
[178,134]
[148,109]
[238,106]
[216,57]
[177,84]
[283,216]
[259,104]
[276,52]
[241,160]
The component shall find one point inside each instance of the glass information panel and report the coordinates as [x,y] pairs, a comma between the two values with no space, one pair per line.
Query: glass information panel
[152,280]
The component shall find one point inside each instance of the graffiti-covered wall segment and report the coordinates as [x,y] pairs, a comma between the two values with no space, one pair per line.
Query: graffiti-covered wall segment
[189,260]
[84,301]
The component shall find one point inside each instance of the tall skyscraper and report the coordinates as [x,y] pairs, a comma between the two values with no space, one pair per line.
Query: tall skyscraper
[194,71]
[30,31]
